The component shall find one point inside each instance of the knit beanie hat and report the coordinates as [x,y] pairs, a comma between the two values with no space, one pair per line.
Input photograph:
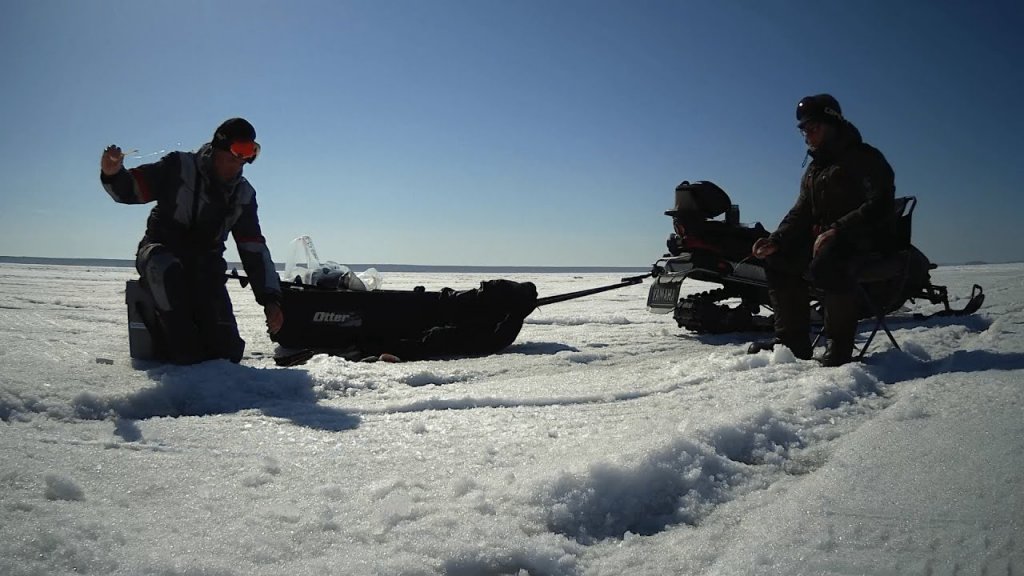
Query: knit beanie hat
[818,108]
[233,130]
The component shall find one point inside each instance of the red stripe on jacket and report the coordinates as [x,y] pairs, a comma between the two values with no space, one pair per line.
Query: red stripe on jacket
[145,195]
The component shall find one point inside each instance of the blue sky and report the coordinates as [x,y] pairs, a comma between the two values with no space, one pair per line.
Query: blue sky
[499,132]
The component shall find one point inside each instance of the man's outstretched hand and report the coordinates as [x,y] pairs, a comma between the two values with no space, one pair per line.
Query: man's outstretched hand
[275,317]
[112,160]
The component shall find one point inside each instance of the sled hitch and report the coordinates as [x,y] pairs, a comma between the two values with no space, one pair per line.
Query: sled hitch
[628,281]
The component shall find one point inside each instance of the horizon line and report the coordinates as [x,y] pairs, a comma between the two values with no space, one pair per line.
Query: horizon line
[130,263]
[125,262]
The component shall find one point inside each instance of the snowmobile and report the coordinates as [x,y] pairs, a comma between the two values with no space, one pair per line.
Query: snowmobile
[704,247]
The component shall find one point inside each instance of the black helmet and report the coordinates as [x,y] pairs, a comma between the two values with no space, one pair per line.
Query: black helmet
[818,108]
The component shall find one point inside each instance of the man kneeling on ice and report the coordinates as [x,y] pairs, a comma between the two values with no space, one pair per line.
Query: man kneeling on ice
[200,198]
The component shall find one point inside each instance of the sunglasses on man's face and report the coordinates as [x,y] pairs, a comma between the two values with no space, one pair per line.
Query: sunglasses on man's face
[246,151]
[809,128]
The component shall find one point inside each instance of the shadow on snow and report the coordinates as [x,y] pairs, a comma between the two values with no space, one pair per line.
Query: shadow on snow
[217,387]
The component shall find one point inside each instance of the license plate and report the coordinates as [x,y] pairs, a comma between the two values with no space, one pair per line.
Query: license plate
[663,296]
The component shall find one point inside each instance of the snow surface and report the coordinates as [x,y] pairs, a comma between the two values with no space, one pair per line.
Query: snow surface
[605,441]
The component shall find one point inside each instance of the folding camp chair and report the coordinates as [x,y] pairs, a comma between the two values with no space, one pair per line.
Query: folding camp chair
[882,279]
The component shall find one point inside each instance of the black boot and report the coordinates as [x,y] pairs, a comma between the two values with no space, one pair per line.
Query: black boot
[800,347]
[837,354]
[762,345]
[840,326]
[788,292]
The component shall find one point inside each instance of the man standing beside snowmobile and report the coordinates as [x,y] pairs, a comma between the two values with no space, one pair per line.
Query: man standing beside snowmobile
[200,198]
[845,211]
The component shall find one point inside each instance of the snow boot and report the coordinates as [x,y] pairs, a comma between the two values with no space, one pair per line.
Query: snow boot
[790,301]
[800,347]
[836,354]
[840,326]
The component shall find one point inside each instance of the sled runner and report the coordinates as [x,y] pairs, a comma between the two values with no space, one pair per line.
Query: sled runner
[718,251]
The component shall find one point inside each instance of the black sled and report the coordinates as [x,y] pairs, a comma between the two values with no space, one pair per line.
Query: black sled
[412,324]
[409,324]
[703,247]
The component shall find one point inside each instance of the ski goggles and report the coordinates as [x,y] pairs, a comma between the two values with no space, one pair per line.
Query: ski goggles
[246,151]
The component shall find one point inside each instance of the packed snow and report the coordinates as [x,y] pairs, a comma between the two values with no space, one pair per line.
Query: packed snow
[604,441]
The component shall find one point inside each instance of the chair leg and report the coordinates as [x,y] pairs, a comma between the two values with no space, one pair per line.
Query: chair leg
[817,338]
[880,323]
[864,348]
[820,335]
[889,334]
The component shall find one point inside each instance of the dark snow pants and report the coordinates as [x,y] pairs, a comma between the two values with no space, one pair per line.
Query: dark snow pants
[192,304]
[791,272]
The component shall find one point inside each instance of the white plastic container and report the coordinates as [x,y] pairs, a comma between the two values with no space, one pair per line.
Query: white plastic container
[304,266]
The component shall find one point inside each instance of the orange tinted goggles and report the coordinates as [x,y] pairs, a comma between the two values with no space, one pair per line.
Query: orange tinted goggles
[247,151]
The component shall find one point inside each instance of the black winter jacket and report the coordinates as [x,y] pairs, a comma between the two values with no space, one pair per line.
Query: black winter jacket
[194,214]
[848,186]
